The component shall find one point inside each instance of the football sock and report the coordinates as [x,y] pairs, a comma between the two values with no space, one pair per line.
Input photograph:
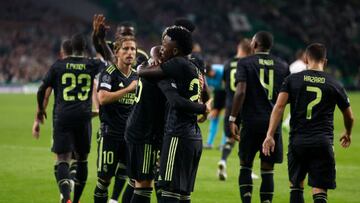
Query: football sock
[212,130]
[158,191]
[245,184]
[267,186]
[72,169]
[185,198]
[101,191]
[120,179]
[80,179]
[141,195]
[296,195]
[226,150]
[128,193]
[320,198]
[170,197]
[63,180]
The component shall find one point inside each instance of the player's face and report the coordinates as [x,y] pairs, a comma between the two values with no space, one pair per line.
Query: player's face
[126,54]
[120,30]
[168,48]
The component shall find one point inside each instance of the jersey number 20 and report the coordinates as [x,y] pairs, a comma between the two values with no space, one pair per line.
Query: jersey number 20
[82,79]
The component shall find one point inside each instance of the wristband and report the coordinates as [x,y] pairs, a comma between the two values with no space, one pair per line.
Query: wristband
[232,118]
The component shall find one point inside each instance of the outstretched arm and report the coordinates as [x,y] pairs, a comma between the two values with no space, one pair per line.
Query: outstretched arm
[179,102]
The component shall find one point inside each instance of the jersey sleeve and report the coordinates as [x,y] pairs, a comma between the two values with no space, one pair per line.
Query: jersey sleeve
[173,68]
[168,87]
[241,72]
[105,81]
[285,85]
[50,77]
[342,100]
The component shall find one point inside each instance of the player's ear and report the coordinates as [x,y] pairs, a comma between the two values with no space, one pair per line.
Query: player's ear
[325,62]
[175,51]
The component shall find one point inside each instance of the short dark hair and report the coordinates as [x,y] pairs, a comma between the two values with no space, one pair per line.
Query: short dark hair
[316,51]
[182,37]
[78,43]
[186,23]
[66,47]
[264,39]
[128,28]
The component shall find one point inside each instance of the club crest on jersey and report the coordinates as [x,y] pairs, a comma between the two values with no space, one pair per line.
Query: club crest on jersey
[121,84]
[106,78]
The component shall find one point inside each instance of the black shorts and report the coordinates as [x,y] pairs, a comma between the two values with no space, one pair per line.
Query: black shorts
[318,162]
[227,129]
[111,157]
[74,138]
[251,143]
[219,99]
[141,161]
[179,162]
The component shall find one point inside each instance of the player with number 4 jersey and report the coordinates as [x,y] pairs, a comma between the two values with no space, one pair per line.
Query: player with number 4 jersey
[259,78]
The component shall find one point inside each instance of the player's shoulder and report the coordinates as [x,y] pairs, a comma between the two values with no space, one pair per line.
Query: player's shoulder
[279,61]
[109,69]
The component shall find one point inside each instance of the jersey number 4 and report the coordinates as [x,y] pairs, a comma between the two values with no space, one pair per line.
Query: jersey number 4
[83,79]
[314,102]
[269,86]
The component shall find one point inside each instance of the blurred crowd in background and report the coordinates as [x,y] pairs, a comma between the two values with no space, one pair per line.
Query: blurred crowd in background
[31,31]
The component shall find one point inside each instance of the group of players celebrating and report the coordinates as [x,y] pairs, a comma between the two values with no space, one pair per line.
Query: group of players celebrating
[149,131]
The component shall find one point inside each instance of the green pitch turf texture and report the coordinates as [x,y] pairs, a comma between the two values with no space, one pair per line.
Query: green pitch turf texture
[26,164]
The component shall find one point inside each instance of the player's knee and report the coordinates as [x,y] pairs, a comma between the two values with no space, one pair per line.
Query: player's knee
[143,183]
[65,157]
[297,185]
[266,166]
[245,164]
[318,190]
[81,156]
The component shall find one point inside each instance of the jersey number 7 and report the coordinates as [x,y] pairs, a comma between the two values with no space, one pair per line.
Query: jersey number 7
[314,102]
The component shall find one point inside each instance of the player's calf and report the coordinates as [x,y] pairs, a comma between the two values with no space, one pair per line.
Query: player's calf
[245,184]
[101,191]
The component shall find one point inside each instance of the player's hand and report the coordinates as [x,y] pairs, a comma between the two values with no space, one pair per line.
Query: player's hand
[202,118]
[132,86]
[235,132]
[36,129]
[268,145]
[345,140]
[213,113]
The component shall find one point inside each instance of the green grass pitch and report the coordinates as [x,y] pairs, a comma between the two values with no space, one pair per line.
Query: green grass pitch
[26,164]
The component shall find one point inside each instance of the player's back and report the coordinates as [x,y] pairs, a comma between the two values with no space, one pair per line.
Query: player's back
[185,78]
[72,81]
[146,121]
[264,74]
[313,96]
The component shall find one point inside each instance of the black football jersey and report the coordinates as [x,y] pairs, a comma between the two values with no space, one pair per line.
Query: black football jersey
[146,121]
[185,77]
[229,80]
[72,80]
[264,75]
[113,116]
[313,96]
